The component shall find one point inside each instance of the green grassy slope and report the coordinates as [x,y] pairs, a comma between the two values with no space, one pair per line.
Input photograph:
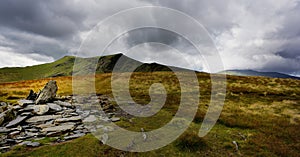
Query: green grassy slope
[61,67]
[64,67]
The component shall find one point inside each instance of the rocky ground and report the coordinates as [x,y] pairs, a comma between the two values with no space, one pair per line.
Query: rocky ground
[46,115]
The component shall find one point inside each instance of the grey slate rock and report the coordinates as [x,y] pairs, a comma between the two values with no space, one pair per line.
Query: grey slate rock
[41,109]
[16,121]
[37,119]
[74,136]
[48,93]
[32,95]
[30,144]
[64,104]
[54,107]
[24,103]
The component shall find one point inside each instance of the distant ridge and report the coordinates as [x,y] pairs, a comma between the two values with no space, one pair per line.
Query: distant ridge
[257,73]
[64,67]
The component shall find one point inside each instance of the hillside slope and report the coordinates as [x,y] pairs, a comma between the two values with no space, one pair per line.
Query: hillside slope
[64,67]
[256,73]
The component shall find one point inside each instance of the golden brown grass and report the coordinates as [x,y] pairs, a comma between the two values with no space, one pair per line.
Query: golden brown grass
[261,114]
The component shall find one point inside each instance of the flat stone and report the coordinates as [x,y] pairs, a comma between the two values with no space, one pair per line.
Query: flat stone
[37,119]
[45,125]
[63,104]
[30,144]
[10,141]
[54,107]
[89,119]
[28,108]
[16,121]
[26,114]
[70,119]
[41,109]
[23,137]
[74,136]
[115,119]
[17,107]
[74,114]
[24,102]
[14,133]
[32,134]
[59,128]
[4,148]
[32,130]
[6,130]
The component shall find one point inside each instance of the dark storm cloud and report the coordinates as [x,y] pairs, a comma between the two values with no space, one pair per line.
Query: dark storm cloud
[48,18]
[260,35]
[143,35]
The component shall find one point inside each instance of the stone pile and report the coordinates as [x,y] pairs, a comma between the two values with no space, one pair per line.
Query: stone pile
[46,115]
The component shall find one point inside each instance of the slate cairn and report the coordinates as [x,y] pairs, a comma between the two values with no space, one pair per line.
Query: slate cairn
[47,115]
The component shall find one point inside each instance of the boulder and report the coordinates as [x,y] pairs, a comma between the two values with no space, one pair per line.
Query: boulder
[48,93]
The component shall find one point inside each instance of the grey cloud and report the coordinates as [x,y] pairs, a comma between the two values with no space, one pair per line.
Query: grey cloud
[261,35]
[47,18]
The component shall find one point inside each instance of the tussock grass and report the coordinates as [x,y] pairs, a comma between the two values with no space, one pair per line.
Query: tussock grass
[260,114]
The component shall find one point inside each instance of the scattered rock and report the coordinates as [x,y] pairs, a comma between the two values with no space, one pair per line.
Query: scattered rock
[26,114]
[28,108]
[16,121]
[40,116]
[59,128]
[41,109]
[24,103]
[89,119]
[5,148]
[37,119]
[63,104]
[71,119]
[236,145]
[48,93]
[14,133]
[45,125]
[54,107]
[115,119]
[31,144]
[74,136]
[6,130]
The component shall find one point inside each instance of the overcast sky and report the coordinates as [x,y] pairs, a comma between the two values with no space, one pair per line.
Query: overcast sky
[261,35]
